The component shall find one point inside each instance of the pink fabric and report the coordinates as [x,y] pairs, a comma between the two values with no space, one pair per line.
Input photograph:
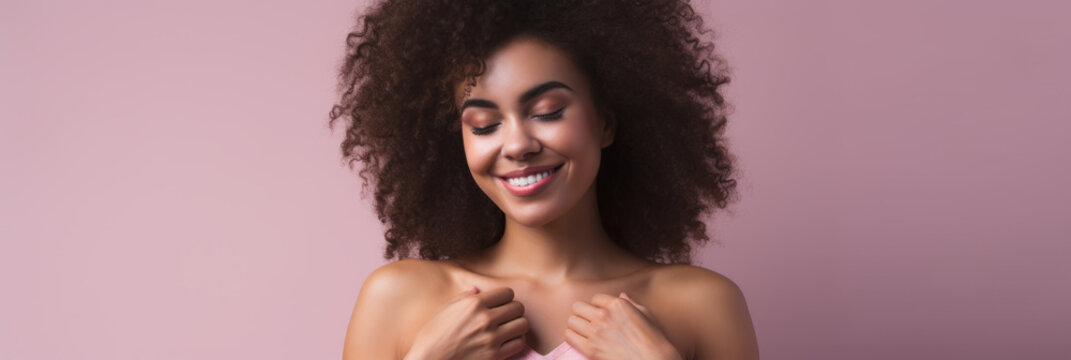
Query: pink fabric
[562,352]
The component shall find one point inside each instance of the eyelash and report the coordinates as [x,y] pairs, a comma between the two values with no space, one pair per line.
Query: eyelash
[550,116]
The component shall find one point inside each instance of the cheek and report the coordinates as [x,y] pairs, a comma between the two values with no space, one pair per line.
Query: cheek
[479,154]
[575,137]
[577,143]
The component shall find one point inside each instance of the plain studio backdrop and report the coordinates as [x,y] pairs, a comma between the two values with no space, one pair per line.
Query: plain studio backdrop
[169,188]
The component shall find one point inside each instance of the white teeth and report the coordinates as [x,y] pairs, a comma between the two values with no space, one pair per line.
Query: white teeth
[528,180]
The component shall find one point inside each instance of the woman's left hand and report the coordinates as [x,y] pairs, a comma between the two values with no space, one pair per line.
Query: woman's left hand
[617,328]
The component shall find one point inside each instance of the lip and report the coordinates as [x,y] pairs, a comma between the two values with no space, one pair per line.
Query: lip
[529,171]
[533,188]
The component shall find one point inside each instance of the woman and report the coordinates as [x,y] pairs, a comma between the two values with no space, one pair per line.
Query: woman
[541,168]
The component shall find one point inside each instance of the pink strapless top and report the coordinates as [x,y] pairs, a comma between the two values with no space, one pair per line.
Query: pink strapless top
[562,352]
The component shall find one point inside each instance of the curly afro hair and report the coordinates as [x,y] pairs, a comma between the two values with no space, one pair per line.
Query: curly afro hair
[650,70]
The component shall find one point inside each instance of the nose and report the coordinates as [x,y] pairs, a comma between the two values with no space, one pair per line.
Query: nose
[518,143]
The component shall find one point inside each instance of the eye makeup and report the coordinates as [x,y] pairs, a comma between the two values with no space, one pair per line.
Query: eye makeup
[488,129]
[484,130]
[553,115]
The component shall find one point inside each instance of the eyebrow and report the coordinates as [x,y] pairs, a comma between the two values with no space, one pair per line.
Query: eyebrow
[525,97]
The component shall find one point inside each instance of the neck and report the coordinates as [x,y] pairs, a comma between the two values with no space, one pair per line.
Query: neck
[572,247]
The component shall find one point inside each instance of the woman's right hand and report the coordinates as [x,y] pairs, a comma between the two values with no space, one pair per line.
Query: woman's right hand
[474,325]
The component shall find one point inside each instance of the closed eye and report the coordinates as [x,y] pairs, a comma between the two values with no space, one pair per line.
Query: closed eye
[553,115]
[484,130]
[489,129]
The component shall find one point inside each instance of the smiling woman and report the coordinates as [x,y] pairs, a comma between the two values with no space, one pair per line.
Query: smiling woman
[547,164]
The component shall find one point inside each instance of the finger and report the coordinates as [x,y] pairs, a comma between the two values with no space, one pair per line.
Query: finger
[616,304]
[589,312]
[623,295]
[611,302]
[506,312]
[603,300]
[511,329]
[495,297]
[578,341]
[641,308]
[471,290]
[579,325]
[510,347]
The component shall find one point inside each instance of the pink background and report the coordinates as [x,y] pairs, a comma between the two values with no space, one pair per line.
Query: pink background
[169,189]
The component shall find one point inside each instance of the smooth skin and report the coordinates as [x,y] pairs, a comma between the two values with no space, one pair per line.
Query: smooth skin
[555,276]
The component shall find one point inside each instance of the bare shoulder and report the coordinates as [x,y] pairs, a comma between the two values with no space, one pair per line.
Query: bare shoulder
[403,282]
[696,281]
[389,295]
[719,321]
[402,279]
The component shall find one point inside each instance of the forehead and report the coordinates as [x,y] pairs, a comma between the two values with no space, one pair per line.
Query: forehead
[521,64]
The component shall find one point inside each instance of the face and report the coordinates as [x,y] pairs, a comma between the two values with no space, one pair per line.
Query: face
[531,132]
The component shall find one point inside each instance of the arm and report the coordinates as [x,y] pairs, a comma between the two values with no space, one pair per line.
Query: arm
[406,301]
[722,322]
[378,317]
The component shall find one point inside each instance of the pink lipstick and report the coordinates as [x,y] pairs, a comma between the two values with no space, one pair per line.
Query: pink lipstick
[529,181]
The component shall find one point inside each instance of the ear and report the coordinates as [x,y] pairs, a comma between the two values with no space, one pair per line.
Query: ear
[609,127]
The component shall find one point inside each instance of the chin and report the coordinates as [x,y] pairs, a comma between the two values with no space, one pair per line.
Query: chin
[533,217]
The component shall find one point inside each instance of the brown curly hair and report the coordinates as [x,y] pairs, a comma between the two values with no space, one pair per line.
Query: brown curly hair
[650,71]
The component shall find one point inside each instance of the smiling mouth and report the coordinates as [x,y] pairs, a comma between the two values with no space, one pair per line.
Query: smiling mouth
[527,185]
[522,181]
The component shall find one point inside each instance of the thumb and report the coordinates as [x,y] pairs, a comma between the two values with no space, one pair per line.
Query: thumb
[639,307]
[643,310]
[468,291]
